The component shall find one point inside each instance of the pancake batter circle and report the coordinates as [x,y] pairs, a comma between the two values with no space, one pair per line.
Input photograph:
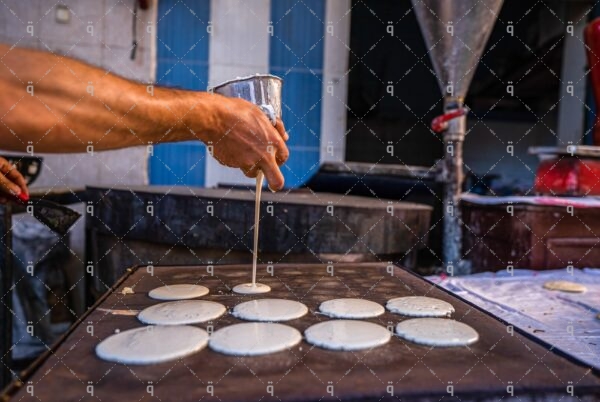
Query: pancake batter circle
[565,286]
[351,308]
[181,312]
[437,332]
[178,292]
[250,289]
[420,306]
[270,310]
[152,345]
[347,335]
[254,338]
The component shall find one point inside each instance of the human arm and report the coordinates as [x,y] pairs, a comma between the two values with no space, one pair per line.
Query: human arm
[61,114]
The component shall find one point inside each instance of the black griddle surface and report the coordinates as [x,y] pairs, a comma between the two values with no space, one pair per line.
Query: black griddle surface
[500,359]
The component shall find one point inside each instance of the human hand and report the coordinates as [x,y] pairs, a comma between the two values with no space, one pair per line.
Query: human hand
[12,182]
[244,138]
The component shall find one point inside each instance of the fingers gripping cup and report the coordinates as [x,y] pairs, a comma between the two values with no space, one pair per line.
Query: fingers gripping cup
[264,90]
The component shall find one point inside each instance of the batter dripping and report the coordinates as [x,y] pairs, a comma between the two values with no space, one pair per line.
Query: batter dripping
[254,288]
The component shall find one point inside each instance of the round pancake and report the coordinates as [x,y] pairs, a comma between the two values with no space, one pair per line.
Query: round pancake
[437,332]
[351,308]
[178,292]
[152,344]
[347,335]
[181,312]
[420,306]
[565,286]
[270,310]
[254,338]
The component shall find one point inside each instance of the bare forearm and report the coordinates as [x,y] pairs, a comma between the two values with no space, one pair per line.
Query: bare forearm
[63,115]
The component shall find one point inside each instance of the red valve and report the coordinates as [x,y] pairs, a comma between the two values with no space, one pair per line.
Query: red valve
[440,123]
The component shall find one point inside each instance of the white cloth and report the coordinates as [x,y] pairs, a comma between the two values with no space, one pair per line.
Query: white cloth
[565,320]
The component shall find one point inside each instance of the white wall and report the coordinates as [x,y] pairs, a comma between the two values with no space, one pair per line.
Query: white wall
[335,80]
[107,46]
[239,46]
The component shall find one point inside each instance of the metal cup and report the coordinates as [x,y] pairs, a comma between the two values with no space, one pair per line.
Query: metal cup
[264,90]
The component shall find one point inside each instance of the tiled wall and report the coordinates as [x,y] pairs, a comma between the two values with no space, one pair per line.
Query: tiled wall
[108,46]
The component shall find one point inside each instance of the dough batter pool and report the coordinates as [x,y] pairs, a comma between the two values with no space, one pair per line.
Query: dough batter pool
[565,286]
[178,292]
[152,344]
[437,332]
[420,306]
[181,312]
[351,308]
[270,310]
[254,338]
[251,289]
[347,335]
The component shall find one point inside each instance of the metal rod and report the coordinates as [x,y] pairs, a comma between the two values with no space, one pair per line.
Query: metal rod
[453,180]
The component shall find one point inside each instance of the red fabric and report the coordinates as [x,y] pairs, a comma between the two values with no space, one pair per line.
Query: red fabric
[568,176]
[592,41]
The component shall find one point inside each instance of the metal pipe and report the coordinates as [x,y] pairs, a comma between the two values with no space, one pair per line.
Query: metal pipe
[453,179]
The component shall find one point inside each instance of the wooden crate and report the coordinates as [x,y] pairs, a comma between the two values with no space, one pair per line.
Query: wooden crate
[534,236]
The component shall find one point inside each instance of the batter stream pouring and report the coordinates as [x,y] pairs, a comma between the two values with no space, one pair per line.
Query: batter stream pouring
[263,90]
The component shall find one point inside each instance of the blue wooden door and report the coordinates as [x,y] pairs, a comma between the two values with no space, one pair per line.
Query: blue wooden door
[182,62]
[296,55]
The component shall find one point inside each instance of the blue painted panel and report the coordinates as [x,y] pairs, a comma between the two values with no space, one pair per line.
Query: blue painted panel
[298,34]
[179,164]
[296,55]
[182,62]
[300,167]
[182,30]
[182,76]
[301,109]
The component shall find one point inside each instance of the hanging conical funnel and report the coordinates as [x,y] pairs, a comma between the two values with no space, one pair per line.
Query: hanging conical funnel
[455,33]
